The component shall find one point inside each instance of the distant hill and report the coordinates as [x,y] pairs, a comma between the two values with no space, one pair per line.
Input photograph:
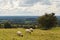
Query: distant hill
[19,19]
[22,19]
[58,17]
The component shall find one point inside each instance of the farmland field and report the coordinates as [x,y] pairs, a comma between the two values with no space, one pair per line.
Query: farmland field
[37,34]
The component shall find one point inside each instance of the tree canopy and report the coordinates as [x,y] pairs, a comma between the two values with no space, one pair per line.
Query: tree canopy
[47,21]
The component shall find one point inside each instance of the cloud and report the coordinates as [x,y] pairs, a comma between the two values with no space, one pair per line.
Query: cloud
[29,7]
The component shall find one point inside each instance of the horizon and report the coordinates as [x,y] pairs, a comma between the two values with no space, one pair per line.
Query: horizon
[19,16]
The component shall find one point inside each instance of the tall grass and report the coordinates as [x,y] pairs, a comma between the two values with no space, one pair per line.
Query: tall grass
[37,34]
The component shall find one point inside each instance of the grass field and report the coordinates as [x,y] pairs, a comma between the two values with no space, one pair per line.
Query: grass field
[37,34]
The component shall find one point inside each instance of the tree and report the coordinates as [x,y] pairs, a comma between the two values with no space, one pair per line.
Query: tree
[47,21]
[7,25]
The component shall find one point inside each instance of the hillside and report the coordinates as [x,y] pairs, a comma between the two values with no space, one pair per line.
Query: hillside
[37,34]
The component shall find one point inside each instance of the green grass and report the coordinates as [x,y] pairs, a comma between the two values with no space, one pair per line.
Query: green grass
[37,34]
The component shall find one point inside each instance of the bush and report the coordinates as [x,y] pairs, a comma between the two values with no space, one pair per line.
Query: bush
[7,25]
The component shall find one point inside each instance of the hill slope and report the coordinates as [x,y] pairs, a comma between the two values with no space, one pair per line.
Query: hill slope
[37,34]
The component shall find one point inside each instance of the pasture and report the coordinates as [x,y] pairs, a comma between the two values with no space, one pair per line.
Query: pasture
[37,34]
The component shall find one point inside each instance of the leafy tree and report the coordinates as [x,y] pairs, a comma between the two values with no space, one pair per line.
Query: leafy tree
[47,21]
[7,25]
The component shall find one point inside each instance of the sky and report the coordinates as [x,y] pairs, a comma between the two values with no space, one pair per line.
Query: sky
[29,7]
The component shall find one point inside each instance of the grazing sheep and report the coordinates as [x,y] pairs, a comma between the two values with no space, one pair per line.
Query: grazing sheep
[31,29]
[19,33]
[28,31]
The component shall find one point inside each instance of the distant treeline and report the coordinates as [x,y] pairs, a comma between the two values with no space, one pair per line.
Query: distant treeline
[26,21]
[9,25]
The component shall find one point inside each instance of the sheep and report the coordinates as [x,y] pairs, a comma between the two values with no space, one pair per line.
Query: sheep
[31,29]
[19,33]
[28,31]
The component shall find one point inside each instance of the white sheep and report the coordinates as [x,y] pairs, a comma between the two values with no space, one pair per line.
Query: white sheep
[31,29]
[28,31]
[19,33]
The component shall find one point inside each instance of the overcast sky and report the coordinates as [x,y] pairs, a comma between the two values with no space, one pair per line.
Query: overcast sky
[29,7]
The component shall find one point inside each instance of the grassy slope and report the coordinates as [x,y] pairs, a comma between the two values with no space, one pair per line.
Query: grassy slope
[10,34]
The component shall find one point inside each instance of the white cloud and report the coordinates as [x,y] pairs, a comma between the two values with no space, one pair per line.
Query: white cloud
[28,7]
